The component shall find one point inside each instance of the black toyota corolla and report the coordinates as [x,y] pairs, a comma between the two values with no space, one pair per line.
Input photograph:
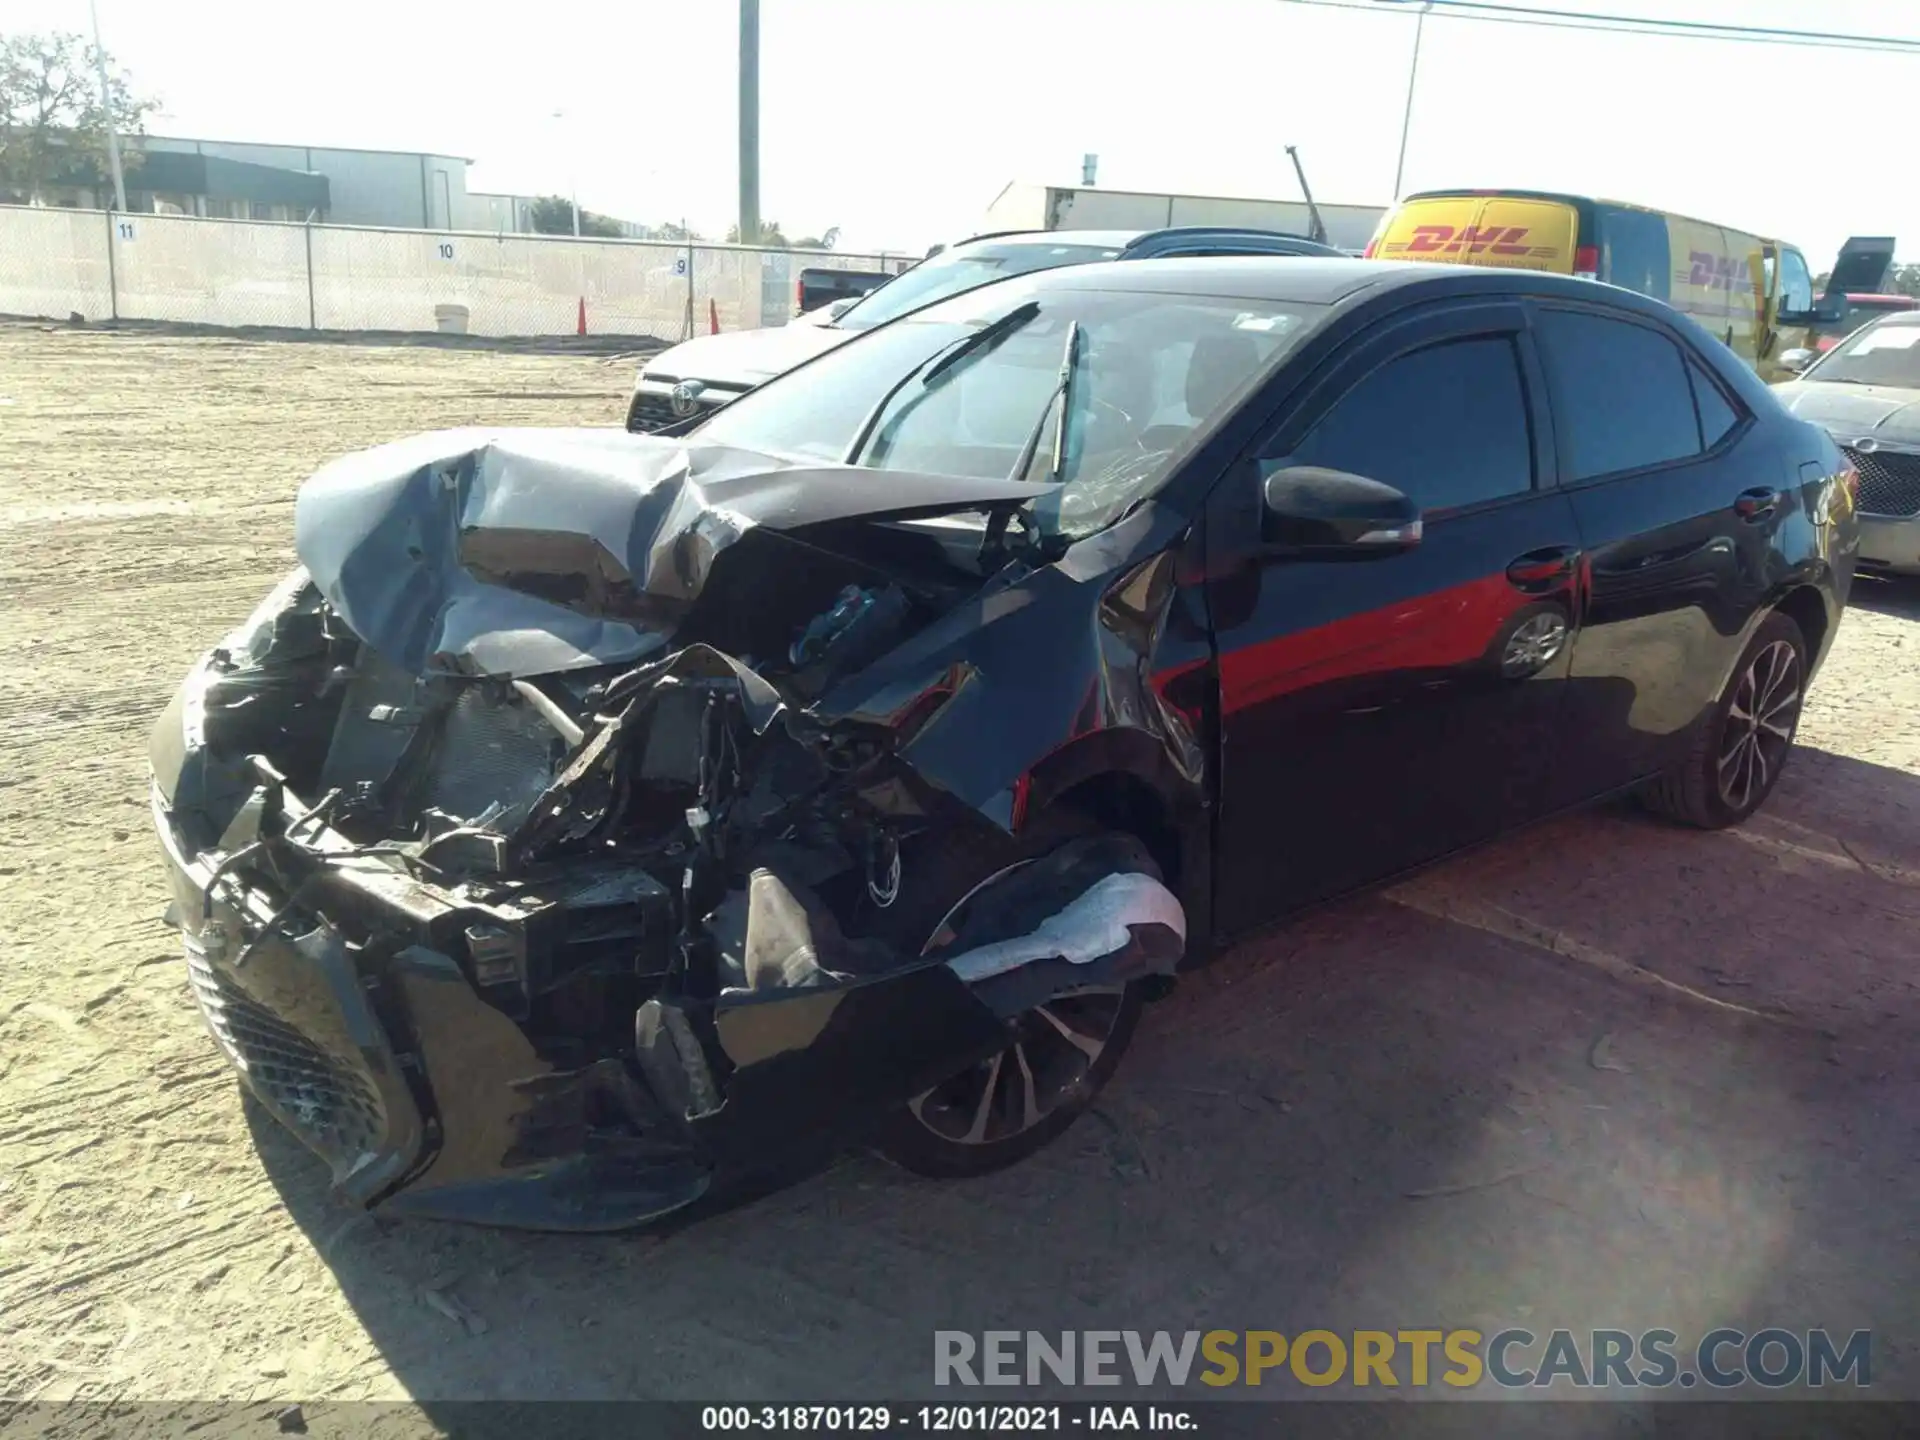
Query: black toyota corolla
[596,821]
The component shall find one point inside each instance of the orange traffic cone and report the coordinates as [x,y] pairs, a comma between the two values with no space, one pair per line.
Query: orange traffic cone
[713,318]
[582,328]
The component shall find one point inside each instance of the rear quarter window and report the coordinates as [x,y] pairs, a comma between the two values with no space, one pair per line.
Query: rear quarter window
[1623,400]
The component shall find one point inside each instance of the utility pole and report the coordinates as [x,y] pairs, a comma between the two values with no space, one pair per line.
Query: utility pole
[564,131]
[106,106]
[749,122]
[1413,75]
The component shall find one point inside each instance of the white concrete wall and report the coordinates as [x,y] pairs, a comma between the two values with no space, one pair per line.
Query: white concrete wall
[332,277]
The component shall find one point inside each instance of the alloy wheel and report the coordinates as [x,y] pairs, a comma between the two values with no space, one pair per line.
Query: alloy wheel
[1054,1049]
[1760,725]
[1047,1061]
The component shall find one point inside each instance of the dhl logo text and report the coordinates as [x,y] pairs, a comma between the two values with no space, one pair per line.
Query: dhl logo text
[1473,240]
[1716,272]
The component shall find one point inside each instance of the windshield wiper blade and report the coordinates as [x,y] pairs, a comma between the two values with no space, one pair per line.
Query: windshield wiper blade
[936,365]
[1061,398]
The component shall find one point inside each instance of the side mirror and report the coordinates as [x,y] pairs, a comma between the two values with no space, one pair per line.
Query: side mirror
[1827,310]
[841,306]
[1311,511]
[1797,360]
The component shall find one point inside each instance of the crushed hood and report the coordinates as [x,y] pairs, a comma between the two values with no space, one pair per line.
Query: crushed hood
[1887,412]
[746,358]
[527,552]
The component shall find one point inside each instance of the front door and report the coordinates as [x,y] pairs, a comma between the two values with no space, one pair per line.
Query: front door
[1378,712]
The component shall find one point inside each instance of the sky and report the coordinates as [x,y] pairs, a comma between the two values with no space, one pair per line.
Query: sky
[900,120]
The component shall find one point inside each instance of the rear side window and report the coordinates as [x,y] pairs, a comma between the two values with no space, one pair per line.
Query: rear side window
[1446,425]
[1717,415]
[1622,399]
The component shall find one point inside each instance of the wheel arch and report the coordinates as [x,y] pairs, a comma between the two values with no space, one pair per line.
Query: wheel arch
[1126,780]
[1806,606]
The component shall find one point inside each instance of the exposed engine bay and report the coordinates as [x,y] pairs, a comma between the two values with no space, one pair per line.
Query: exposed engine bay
[559,805]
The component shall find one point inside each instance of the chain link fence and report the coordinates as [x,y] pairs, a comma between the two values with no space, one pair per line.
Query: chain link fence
[106,265]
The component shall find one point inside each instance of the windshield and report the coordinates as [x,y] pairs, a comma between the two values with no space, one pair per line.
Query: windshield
[977,386]
[1881,354]
[963,268]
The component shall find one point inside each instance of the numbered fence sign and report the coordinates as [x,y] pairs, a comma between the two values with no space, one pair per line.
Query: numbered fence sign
[679,264]
[446,250]
[126,229]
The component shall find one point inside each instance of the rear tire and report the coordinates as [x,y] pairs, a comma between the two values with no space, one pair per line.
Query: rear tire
[1737,756]
[1059,1055]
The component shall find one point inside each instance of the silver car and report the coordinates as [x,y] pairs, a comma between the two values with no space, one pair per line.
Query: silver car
[1865,392]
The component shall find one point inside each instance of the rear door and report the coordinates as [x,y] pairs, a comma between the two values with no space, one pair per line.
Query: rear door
[1788,306]
[1379,712]
[1500,231]
[1677,503]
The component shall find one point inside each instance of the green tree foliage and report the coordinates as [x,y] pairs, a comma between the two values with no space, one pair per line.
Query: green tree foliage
[53,124]
[553,215]
[1904,280]
[773,236]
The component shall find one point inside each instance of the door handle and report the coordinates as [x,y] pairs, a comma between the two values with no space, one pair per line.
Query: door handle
[1541,570]
[1757,503]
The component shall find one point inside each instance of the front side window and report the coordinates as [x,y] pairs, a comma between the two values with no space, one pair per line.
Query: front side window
[1447,426]
[973,386]
[1796,285]
[1622,399]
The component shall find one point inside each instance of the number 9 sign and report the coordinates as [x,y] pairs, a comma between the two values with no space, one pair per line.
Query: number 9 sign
[679,264]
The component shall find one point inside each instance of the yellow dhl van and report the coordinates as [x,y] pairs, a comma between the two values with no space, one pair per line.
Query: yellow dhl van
[1755,294]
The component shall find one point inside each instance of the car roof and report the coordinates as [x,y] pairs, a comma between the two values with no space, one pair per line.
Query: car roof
[1121,239]
[1899,317]
[1317,280]
[1105,239]
[1307,279]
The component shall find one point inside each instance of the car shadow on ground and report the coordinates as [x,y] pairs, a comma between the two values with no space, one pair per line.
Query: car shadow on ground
[1605,1073]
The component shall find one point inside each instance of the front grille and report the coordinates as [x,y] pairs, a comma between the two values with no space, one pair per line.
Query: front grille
[1889,481]
[324,1100]
[651,412]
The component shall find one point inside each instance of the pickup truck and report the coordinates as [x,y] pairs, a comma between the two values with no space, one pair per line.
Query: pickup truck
[696,377]
[819,286]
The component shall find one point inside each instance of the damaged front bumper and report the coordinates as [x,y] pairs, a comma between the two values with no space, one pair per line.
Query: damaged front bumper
[385,1060]
[354,1000]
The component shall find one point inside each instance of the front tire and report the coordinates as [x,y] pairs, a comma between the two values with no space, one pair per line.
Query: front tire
[1059,1055]
[1737,757]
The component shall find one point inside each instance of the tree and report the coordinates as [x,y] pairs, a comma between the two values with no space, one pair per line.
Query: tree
[770,234]
[773,236]
[553,215]
[668,230]
[53,126]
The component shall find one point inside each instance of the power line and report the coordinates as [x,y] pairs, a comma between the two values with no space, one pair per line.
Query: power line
[1491,14]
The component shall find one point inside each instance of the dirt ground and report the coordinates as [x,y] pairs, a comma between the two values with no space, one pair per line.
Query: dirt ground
[1606,1073]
